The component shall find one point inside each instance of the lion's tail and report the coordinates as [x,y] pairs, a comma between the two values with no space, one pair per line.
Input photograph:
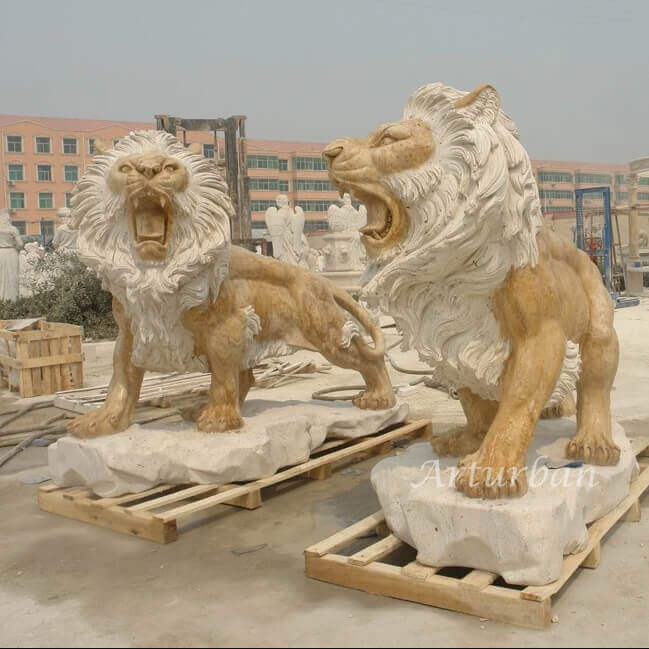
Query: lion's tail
[346,302]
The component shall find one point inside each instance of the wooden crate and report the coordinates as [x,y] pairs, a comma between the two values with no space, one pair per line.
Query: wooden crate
[465,590]
[155,514]
[39,357]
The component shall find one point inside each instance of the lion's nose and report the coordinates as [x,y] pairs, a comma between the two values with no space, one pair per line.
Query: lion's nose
[149,169]
[334,149]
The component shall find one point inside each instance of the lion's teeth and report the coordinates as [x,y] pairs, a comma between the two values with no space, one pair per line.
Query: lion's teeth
[163,201]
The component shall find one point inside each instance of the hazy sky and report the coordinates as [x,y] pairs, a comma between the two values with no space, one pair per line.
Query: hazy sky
[573,74]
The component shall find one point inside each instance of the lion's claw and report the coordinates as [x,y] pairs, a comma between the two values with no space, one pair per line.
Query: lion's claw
[374,400]
[477,479]
[98,423]
[219,420]
[456,443]
[593,450]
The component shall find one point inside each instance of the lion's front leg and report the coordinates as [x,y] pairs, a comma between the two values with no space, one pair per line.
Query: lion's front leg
[222,337]
[117,411]
[497,469]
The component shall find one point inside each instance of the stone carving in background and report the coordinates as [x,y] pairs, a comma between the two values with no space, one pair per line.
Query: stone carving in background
[30,257]
[154,222]
[286,228]
[65,237]
[508,314]
[343,249]
[10,244]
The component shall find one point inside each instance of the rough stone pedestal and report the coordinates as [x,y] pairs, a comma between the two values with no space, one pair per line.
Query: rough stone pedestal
[275,435]
[635,281]
[522,539]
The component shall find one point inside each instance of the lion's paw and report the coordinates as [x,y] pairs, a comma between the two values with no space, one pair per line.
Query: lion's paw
[374,400]
[477,479]
[98,423]
[219,420]
[593,449]
[457,442]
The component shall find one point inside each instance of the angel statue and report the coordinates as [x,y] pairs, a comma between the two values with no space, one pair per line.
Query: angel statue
[345,218]
[286,228]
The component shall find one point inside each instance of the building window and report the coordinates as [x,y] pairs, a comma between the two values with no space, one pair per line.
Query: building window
[208,150]
[43,145]
[20,226]
[16,173]
[621,196]
[314,226]
[554,177]
[71,173]
[262,162]
[45,200]
[261,206]
[555,193]
[44,173]
[313,185]
[91,146]
[17,200]
[68,199]
[643,180]
[620,179]
[283,185]
[47,230]
[309,164]
[643,196]
[558,208]
[283,164]
[15,143]
[593,179]
[314,206]
[264,184]
[70,145]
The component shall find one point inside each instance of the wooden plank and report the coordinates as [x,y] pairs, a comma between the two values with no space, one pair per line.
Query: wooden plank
[479,579]
[35,351]
[493,603]
[76,368]
[251,500]
[376,551]
[416,570]
[127,498]
[634,514]
[594,557]
[345,537]
[300,469]
[183,494]
[596,532]
[137,524]
[321,473]
[26,386]
[65,367]
[45,372]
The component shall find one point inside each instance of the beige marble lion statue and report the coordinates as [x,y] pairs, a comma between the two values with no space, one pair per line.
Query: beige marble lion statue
[505,312]
[153,221]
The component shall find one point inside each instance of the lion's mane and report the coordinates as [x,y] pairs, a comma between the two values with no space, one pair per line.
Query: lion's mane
[474,213]
[155,294]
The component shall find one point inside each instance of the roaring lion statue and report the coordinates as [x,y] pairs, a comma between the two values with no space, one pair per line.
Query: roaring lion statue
[153,222]
[505,312]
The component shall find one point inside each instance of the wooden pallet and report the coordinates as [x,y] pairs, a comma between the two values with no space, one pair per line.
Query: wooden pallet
[39,357]
[475,592]
[155,514]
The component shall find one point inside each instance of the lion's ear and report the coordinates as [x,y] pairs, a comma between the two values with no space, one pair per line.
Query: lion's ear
[481,103]
[101,147]
[195,147]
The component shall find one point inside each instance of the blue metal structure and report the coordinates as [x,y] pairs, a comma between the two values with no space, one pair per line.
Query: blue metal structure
[601,256]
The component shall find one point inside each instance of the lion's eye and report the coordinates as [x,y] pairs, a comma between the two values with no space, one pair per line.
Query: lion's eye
[125,169]
[170,168]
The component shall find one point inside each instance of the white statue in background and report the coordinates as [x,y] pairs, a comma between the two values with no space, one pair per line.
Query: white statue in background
[348,252]
[10,244]
[30,258]
[286,228]
[65,238]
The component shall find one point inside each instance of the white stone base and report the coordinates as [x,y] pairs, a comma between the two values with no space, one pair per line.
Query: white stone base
[522,539]
[275,435]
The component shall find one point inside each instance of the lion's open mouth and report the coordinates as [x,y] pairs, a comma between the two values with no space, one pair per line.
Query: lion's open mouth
[151,214]
[386,218]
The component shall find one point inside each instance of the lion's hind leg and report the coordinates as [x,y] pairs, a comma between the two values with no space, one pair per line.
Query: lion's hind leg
[467,439]
[593,441]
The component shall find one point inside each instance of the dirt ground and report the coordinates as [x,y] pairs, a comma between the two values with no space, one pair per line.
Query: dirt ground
[238,579]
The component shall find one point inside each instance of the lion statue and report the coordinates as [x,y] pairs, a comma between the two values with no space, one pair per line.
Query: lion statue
[153,222]
[504,311]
